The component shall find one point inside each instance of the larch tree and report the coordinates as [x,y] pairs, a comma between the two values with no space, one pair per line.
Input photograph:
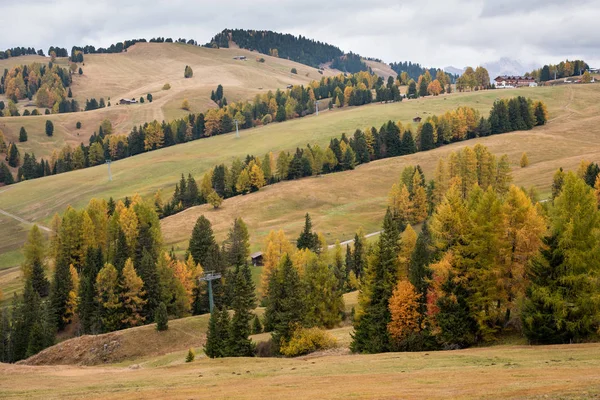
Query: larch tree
[404,310]
[132,296]
[276,246]
[524,160]
[107,296]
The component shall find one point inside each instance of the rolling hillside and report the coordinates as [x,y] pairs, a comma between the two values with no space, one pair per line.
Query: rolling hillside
[568,138]
[143,69]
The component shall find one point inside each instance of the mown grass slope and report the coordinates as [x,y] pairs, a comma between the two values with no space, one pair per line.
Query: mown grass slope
[507,372]
[143,69]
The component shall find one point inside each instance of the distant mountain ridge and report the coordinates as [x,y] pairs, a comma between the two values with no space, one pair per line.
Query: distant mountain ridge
[502,66]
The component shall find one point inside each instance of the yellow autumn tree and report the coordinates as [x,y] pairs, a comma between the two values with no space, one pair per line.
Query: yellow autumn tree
[256,176]
[400,203]
[404,310]
[524,160]
[155,136]
[73,299]
[128,222]
[132,296]
[434,88]
[276,245]
[408,242]
[301,259]
[88,232]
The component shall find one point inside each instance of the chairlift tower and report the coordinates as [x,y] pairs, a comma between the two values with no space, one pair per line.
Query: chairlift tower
[317,107]
[109,174]
[210,276]
[237,130]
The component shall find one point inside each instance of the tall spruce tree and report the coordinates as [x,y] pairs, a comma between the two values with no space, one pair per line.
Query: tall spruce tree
[60,289]
[308,239]
[370,330]
[419,273]
[217,334]
[237,245]
[87,308]
[146,270]
[285,307]
[243,302]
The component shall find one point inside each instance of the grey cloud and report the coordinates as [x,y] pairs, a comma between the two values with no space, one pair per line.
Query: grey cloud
[432,32]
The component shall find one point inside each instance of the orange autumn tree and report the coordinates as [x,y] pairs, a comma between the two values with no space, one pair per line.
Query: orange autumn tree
[404,308]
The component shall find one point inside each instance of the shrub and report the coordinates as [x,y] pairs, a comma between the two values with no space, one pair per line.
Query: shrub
[22,135]
[26,113]
[524,160]
[185,104]
[188,73]
[267,119]
[47,112]
[141,99]
[306,341]
[191,355]
[161,318]
[149,98]
[35,112]
[294,71]
[264,349]
[80,71]
[214,199]
[260,60]
[166,86]
[78,125]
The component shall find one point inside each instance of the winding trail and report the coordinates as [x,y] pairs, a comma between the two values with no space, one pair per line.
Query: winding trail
[42,227]
[346,242]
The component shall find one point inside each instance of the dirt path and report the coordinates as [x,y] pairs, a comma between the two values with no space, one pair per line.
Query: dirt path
[345,242]
[42,227]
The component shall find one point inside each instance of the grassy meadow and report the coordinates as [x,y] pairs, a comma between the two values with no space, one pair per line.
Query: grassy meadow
[339,203]
[143,69]
[508,372]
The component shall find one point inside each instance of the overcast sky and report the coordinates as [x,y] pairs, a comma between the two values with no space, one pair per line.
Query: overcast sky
[435,33]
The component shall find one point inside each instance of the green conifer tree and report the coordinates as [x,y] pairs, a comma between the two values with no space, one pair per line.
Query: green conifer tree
[243,302]
[161,318]
[370,330]
[285,306]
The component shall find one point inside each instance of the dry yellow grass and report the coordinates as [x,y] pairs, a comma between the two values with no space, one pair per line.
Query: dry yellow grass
[144,69]
[507,372]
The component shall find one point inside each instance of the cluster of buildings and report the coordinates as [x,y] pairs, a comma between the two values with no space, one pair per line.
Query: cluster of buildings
[506,81]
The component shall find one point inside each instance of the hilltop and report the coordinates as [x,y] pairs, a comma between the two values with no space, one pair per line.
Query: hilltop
[146,68]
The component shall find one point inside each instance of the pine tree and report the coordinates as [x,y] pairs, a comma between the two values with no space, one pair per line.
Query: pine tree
[217,335]
[427,138]
[308,239]
[147,271]
[458,327]
[22,135]
[285,308]
[14,157]
[49,128]
[419,273]
[256,325]
[191,355]
[370,329]
[88,307]
[5,175]
[243,302]
[236,247]
[40,283]
[59,292]
[161,318]
[407,146]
